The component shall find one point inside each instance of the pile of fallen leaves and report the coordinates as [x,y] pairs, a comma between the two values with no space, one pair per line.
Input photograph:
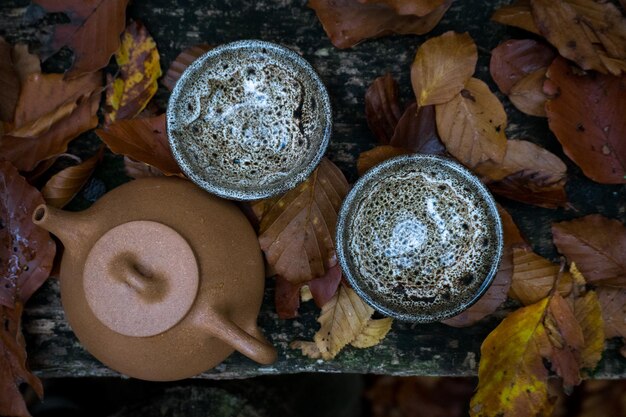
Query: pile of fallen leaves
[569,307]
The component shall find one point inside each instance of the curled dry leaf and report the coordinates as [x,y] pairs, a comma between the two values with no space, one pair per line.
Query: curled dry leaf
[182,61]
[64,185]
[382,108]
[410,7]
[472,124]
[517,14]
[16,63]
[373,333]
[342,319]
[139,68]
[297,229]
[417,131]
[375,156]
[144,140]
[588,32]
[93,32]
[587,117]
[588,314]
[442,68]
[597,245]
[613,305]
[348,22]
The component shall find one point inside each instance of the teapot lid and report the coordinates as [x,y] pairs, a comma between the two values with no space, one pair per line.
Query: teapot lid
[141,278]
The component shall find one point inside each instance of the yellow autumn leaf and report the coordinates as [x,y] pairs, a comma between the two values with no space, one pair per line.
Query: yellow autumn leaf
[373,333]
[139,69]
[588,314]
[342,319]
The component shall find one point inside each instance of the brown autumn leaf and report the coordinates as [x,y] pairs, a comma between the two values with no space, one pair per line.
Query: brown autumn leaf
[472,124]
[64,185]
[373,333]
[342,319]
[93,33]
[528,95]
[613,305]
[588,312]
[597,245]
[442,67]
[529,174]
[297,229]
[13,369]
[417,131]
[369,159]
[139,68]
[348,22]
[410,7]
[16,63]
[588,32]
[512,236]
[182,61]
[144,140]
[325,287]
[137,169]
[286,298]
[517,14]
[382,108]
[587,117]
[308,349]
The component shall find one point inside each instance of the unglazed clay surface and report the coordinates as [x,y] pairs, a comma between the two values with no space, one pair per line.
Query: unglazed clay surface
[248,120]
[420,238]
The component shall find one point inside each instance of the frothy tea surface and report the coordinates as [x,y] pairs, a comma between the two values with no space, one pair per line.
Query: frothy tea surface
[420,237]
[248,118]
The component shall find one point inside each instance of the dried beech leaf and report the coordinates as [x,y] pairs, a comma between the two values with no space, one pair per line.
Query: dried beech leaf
[369,159]
[348,22]
[342,319]
[410,7]
[597,245]
[13,369]
[517,14]
[24,63]
[309,349]
[382,108]
[373,333]
[417,131]
[588,314]
[16,63]
[529,174]
[182,61]
[472,124]
[513,60]
[64,185]
[139,69]
[442,67]
[587,117]
[297,229]
[528,96]
[144,140]
[584,31]
[325,287]
[512,236]
[93,32]
[138,169]
[286,298]
[613,305]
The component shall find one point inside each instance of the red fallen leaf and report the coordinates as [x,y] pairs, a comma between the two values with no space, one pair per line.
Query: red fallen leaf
[417,131]
[382,108]
[517,14]
[93,32]
[590,33]
[297,230]
[16,63]
[597,245]
[182,61]
[144,140]
[64,185]
[587,117]
[325,287]
[348,22]
[375,156]
[287,298]
[613,304]
[513,60]
[410,7]
[13,369]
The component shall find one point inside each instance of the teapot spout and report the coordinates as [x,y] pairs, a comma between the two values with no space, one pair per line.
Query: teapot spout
[73,229]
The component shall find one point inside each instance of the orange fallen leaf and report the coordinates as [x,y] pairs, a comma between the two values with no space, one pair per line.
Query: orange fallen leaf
[613,304]
[417,131]
[442,68]
[64,185]
[144,140]
[528,95]
[138,169]
[297,230]
[182,61]
[472,124]
[517,14]
[139,68]
[382,108]
[93,32]
[375,156]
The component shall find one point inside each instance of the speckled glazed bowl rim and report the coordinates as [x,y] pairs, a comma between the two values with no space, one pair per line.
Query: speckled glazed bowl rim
[194,173]
[347,210]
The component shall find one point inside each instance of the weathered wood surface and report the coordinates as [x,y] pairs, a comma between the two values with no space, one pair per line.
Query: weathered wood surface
[409,349]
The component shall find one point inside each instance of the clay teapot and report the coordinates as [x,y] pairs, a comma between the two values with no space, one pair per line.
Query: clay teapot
[161,280]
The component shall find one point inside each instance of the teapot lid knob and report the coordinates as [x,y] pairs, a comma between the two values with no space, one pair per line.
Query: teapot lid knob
[141,278]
